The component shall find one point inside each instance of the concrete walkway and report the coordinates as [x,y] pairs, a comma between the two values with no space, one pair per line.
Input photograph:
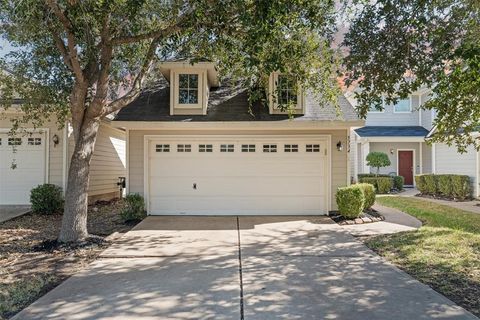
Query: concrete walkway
[395,221]
[241,268]
[8,212]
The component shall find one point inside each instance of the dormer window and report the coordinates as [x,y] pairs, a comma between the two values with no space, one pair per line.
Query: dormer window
[285,96]
[187,88]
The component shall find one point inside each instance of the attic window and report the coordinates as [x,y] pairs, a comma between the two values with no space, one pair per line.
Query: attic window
[286,90]
[188,88]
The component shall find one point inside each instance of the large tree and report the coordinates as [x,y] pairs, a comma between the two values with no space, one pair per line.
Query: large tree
[398,46]
[75,57]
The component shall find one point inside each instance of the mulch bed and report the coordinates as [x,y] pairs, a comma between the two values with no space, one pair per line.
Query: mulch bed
[366,217]
[32,262]
[439,197]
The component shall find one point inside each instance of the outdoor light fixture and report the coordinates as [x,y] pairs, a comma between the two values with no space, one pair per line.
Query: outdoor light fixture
[391,150]
[339,146]
[55,139]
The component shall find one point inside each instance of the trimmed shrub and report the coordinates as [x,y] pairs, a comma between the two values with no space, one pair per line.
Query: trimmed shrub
[371,175]
[46,199]
[461,186]
[369,194]
[430,184]
[420,183]
[350,201]
[377,160]
[384,185]
[398,182]
[444,184]
[134,208]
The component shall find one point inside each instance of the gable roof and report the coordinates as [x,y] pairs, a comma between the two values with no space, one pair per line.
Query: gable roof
[226,103]
[392,131]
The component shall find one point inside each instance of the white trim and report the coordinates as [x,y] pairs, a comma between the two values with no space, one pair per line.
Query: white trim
[47,153]
[392,139]
[273,103]
[477,175]
[414,164]
[146,149]
[420,150]
[175,89]
[127,160]
[243,125]
[410,105]
[419,110]
[434,160]
[346,147]
[355,164]
[365,151]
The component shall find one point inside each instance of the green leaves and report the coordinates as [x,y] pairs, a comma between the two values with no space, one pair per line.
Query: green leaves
[398,47]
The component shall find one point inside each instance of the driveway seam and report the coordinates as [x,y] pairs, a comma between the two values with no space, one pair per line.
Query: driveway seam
[242,316]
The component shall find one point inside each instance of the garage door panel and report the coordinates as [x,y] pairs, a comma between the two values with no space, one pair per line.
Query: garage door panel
[237,182]
[29,169]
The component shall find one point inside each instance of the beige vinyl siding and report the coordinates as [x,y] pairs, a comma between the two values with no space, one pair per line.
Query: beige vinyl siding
[108,160]
[135,179]
[55,153]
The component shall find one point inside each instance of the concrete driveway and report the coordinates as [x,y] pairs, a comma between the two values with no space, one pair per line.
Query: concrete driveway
[8,212]
[241,268]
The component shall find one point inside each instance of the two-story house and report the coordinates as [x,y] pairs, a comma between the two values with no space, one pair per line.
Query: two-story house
[400,131]
[197,146]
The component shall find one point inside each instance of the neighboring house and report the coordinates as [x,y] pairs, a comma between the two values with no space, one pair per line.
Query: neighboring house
[399,131]
[195,146]
[43,155]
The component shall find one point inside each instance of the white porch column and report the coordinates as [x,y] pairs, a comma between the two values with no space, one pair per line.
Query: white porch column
[365,152]
[420,158]
[434,161]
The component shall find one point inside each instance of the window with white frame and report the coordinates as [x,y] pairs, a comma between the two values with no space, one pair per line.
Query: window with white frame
[205,148]
[162,148]
[269,148]
[248,148]
[184,148]
[291,148]
[227,148]
[287,91]
[14,141]
[402,105]
[34,141]
[187,88]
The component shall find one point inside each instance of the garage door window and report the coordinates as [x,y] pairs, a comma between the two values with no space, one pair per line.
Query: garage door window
[14,141]
[205,148]
[162,148]
[34,141]
[269,148]
[227,148]
[248,148]
[291,148]
[313,148]
[184,148]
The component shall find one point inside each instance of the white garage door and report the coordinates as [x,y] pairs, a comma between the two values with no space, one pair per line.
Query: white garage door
[237,175]
[22,166]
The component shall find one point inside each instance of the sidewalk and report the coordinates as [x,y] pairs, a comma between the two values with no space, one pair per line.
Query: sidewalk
[395,221]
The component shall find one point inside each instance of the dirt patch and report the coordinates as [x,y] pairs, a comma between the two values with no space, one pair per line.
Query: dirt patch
[32,262]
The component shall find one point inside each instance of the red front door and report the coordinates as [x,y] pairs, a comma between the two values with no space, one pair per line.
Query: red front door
[405,166]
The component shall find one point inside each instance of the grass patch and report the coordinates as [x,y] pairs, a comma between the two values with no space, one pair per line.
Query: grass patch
[444,253]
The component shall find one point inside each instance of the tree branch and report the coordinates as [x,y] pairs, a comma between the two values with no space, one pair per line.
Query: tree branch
[72,55]
[137,83]
[145,36]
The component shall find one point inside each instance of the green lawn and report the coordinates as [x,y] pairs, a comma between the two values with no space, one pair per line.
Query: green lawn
[444,253]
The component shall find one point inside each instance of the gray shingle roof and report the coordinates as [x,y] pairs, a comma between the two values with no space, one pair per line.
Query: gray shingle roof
[392,131]
[226,103]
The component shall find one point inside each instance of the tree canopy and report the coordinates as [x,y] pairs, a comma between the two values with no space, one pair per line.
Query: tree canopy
[396,47]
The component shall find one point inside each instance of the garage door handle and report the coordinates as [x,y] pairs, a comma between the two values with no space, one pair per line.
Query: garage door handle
[194,186]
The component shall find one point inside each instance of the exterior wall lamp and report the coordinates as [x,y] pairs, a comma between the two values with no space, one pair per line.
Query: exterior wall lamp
[339,146]
[55,140]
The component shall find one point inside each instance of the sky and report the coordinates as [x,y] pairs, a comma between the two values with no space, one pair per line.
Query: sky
[5,47]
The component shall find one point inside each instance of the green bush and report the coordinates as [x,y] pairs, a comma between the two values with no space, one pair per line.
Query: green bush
[134,208]
[430,184]
[371,175]
[46,199]
[350,201]
[369,194]
[398,182]
[384,185]
[420,183]
[444,184]
[461,186]
[377,160]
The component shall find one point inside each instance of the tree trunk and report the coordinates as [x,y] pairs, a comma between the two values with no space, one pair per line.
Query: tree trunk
[74,223]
